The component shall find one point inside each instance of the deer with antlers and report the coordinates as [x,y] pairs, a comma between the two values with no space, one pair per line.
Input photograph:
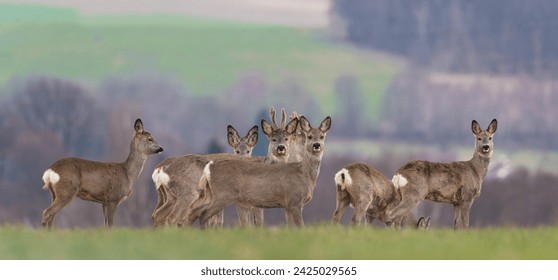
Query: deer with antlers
[177,178]
[282,185]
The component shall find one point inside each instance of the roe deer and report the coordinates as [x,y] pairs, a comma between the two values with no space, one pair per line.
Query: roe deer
[368,191]
[281,185]
[181,175]
[241,146]
[458,183]
[297,140]
[107,183]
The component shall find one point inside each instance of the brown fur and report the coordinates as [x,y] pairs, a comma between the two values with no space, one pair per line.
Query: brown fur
[184,175]
[458,183]
[368,191]
[107,183]
[282,185]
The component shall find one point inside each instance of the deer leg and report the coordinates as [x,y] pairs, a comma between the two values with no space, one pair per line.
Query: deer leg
[296,216]
[409,219]
[361,206]
[461,215]
[288,217]
[409,200]
[109,209]
[340,209]
[465,213]
[243,214]
[161,198]
[217,220]
[162,213]
[59,200]
[184,207]
[198,208]
[258,216]
[210,211]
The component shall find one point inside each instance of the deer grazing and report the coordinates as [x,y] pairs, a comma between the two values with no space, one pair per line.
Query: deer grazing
[369,192]
[107,183]
[178,177]
[282,185]
[458,183]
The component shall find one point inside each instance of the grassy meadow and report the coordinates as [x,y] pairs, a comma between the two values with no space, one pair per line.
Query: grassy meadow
[208,56]
[313,242]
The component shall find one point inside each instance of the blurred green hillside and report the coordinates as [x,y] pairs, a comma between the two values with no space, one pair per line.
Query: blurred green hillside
[208,56]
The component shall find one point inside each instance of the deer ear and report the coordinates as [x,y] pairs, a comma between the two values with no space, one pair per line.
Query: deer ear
[475,127]
[231,129]
[492,126]
[266,128]
[293,115]
[233,138]
[138,126]
[252,136]
[304,124]
[325,125]
[291,127]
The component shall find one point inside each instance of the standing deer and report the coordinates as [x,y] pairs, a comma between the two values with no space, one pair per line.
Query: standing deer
[458,183]
[241,146]
[179,176]
[368,191]
[282,185]
[107,183]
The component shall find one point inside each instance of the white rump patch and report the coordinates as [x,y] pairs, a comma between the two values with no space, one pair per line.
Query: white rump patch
[50,177]
[206,171]
[343,183]
[399,181]
[160,177]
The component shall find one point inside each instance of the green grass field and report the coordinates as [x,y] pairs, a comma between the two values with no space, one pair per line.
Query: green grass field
[313,242]
[208,56]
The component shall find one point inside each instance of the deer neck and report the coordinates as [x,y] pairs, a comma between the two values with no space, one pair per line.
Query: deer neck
[480,163]
[311,167]
[134,163]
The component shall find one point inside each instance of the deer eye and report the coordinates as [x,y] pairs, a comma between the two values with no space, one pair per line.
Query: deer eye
[479,138]
[490,138]
[150,139]
[274,140]
[310,137]
[237,151]
[322,137]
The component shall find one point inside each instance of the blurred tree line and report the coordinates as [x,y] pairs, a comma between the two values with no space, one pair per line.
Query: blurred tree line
[469,60]
[466,60]
[497,36]
[43,119]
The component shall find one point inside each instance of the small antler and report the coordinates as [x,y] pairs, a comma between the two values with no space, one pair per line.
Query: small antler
[272,117]
[283,118]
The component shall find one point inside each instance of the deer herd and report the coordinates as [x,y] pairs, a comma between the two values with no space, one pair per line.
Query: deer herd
[197,188]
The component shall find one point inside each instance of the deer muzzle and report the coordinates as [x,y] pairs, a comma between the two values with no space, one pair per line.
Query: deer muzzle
[281,149]
[316,147]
